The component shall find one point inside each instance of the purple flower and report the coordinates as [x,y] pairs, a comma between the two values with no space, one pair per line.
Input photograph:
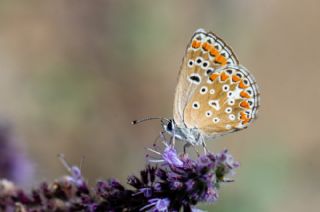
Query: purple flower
[161,204]
[14,165]
[157,205]
[171,157]
[211,195]
[178,183]
[147,192]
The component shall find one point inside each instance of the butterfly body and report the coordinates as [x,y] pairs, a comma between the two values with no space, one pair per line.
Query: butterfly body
[215,95]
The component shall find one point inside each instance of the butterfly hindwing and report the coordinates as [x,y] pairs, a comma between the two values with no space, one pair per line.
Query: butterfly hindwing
[225,101]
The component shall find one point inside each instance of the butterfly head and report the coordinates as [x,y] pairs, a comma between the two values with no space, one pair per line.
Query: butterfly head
[168,125]
[190,135]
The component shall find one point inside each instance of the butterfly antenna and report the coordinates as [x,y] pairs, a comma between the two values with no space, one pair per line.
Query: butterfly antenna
[138,121]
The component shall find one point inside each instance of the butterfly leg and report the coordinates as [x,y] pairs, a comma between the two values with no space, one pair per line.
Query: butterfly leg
[158,139]
[185,147]
[173,138]
[197,152]
[205,150]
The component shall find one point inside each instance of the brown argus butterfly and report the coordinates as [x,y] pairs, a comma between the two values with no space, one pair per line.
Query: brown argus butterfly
[214,96]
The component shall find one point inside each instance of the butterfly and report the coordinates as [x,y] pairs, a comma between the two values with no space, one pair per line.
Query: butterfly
[214,96]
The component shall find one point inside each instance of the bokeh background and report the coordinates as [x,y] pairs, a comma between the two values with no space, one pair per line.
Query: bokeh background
[73,74]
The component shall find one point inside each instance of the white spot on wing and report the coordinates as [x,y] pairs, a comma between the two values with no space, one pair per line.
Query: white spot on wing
[190,63]
[225,54]
[203,90]
[215,104]
[232,117]
[205,65]
[208,113]
[215,120]
[192,80]
[231,102]
[236,92]
[196,105]
[228,110]
[225,88]
[199,61]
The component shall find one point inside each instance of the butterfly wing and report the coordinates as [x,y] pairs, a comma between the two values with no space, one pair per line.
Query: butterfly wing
[205,53]
[225,101]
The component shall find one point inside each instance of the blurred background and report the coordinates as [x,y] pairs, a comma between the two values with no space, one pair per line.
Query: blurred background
[73,74]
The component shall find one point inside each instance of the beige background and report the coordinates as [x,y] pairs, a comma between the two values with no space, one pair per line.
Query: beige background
[75,73]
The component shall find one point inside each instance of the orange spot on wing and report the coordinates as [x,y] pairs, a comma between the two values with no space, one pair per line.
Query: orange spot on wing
[221,60]
[206,46]
[244,94]
[213,76]
[242,85]
[244,118]
[214,52]
[235,78]
[245,121]
[245,104]
[196,44]
[224,76]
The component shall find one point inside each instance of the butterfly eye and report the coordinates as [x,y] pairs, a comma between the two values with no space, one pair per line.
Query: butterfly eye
[190,63]
[196,105]
[232,117]
[228,110]
[225,88]
[215,120]
[170,126]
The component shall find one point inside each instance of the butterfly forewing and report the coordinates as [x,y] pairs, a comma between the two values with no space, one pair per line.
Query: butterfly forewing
[205,53]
